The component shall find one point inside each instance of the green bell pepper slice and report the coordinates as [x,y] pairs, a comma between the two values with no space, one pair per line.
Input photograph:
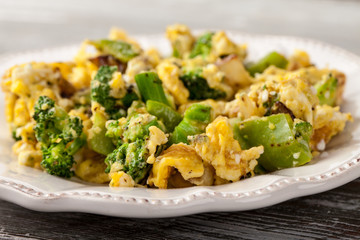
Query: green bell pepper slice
[326,91]
[195,120]
[121,50]
[286,144]
[164,113]
[150,87]
[272,58]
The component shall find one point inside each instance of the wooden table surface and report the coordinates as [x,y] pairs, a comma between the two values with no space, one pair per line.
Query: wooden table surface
[26,25]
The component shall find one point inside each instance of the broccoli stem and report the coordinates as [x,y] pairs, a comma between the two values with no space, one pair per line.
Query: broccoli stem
[98,141]
[77,144]
[285,144]
[164,113]
[195,120]
[272,58]
[150,87]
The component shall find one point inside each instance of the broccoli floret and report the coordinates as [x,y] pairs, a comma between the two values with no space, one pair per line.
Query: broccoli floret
[57,161]
[202,45]
[198,86]
[60,136]
[114,132]
[100,92]
[132,157]
[131,136]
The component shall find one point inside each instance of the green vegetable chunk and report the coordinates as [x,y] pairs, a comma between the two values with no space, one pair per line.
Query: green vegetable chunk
[119,49]
[15,136]
[285,144]
[272,58]
[198,86]
[60,136]
[164,113]
[98,141]
[326,91]
[195,120]
[150,87]
[202,45]
[131,136]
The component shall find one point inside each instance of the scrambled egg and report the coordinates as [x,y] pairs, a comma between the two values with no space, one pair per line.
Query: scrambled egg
[92,170]
[234,70]
[157,138]
[181,157]
[215,79]
[222,46]
[219,148]
[121,179]
[295,93]
[328,122]
[169,73]
[242,107]
[180,38]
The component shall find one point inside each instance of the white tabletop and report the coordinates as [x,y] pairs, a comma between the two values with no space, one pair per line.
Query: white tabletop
[34,24]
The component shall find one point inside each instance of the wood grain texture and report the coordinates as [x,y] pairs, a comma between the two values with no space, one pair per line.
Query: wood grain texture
[331,215]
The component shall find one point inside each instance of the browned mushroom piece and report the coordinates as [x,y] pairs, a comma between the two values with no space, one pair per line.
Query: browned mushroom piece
[279,107]
[67,90]
[109,60]
[235,73]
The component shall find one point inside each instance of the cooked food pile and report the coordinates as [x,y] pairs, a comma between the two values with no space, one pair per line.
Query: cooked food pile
[129,117]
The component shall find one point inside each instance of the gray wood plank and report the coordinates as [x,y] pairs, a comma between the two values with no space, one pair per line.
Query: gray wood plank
[330,215]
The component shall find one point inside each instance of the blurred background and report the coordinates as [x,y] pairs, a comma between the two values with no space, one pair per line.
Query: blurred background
[35,24]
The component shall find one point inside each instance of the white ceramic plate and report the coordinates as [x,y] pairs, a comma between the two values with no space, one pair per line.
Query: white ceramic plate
[340,164]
